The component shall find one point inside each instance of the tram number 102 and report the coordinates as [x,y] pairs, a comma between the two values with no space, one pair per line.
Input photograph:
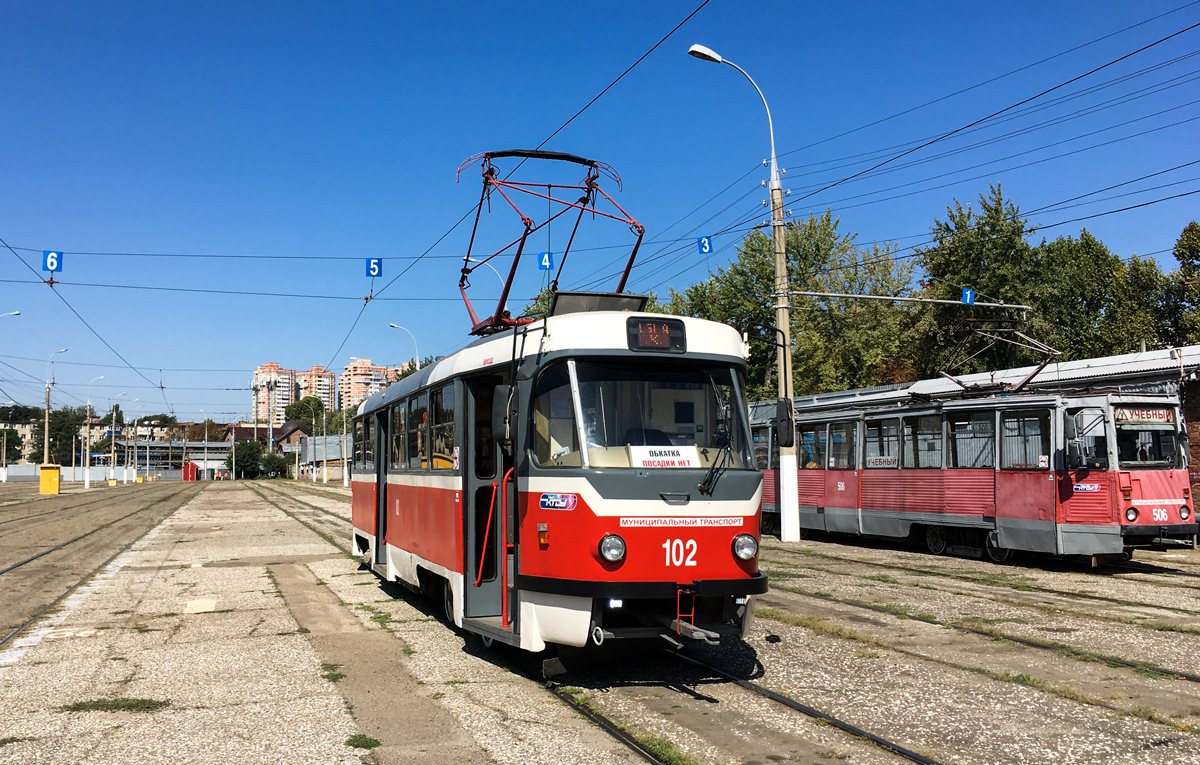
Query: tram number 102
[680,552]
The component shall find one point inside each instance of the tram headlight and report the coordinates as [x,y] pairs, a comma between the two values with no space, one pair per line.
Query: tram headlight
[612,548]
[1184,512]
[1131,514]
[745,546]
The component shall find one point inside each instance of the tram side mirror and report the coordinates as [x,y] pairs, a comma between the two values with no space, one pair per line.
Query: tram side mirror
[501,427]
[785,424]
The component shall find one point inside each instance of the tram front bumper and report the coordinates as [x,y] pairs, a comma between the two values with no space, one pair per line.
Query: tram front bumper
[1146,535]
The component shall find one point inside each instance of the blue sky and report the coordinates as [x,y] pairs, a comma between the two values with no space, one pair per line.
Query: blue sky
[289,141]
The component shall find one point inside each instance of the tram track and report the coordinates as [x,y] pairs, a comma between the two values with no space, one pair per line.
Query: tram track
[621,732]
[1082,654]
[984,580]
[82,507]
[76,584]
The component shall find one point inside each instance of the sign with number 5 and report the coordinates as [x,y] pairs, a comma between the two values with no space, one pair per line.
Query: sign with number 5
[374,267]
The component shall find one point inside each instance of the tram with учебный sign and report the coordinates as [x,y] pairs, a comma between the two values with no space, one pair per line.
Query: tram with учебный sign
[580,477]
[1069,473]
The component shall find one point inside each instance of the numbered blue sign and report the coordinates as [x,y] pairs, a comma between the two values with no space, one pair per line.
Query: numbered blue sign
[545,261]
[704,243]
[51,260]
[374,267]
[969,296]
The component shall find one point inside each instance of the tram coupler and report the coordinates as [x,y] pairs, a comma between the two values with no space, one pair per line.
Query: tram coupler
[692,632]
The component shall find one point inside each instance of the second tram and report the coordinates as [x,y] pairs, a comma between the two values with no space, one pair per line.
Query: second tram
[1090,474]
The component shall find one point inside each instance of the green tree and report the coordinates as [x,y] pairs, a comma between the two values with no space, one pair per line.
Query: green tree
[274,466]
[307,410]
[1187,254]
[209,429]
[12,445]
[64,434]
[161,419]
[411,368]
[247,455]
[1145,302]
[19,413]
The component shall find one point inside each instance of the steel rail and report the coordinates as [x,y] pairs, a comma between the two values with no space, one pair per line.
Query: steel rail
[87,534]
[1081,653]
[984,580]
[608,726]
[85,577]
[45,512]
[810,711]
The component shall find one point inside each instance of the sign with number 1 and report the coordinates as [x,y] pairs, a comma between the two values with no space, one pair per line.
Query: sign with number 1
[374,267]
[51,260]
[968,296]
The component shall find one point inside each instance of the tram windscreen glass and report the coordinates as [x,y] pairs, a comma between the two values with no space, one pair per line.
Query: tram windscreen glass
[1147,438]
[664,335]
[680,416]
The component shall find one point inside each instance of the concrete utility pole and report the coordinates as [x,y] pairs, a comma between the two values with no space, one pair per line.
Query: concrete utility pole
[46,433]
[789,499]
[87,456]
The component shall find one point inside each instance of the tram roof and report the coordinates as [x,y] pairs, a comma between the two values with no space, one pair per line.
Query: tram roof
[595,331]
[1149,366]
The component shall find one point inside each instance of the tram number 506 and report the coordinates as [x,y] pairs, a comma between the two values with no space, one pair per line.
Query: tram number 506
[680,552]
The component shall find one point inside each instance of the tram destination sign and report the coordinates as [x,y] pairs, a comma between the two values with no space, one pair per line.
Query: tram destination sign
[657,335]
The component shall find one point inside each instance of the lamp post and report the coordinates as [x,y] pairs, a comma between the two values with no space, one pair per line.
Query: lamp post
[125,470]
[87,456]
[414,339]
[46,433]
[205,441]
[112,438]
[789,500]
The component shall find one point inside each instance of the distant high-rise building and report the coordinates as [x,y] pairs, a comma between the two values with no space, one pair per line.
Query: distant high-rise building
[274,389]
[319,383]
[360,379]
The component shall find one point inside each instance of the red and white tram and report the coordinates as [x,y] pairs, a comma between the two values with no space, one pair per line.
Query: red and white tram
[1090,474]
[583,477]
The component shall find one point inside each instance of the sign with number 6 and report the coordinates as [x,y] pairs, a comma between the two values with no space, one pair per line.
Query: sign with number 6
[51,260]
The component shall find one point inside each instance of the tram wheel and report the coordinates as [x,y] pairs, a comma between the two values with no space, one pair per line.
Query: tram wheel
[935,539]
[995,553]
[448,600]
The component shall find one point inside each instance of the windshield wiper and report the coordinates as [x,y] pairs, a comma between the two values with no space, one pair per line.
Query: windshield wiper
[721,440]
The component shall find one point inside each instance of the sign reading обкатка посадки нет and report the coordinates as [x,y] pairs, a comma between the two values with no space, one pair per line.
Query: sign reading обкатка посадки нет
[665,456]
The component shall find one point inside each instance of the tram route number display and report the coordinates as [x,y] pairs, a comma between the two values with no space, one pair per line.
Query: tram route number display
[665,456]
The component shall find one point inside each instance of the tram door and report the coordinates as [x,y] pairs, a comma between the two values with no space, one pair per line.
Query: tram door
[379,442]
[483,471]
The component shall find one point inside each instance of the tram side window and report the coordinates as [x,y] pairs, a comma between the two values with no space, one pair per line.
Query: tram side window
[441,401]
[812,447]
[923,441]
[399,437]
[882,444]
[1026,444]
[972,439]
[761,438]
[358,443]
[368,441]
[418,444]
[842,445]
[555,437]
[1093,442]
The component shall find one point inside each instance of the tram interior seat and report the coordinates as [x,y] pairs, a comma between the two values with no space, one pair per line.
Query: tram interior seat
[646,437]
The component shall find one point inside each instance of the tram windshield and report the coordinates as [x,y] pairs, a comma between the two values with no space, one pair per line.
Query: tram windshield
[634,416]
[1147,438]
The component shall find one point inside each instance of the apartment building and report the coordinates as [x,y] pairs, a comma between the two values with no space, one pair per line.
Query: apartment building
[319,383]
[274,388]
[360,379]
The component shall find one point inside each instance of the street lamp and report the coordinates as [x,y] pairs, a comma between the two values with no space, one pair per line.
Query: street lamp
[46,434]
[414,339]
[87,456]
[125,470]
[112,438]
[789,499]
